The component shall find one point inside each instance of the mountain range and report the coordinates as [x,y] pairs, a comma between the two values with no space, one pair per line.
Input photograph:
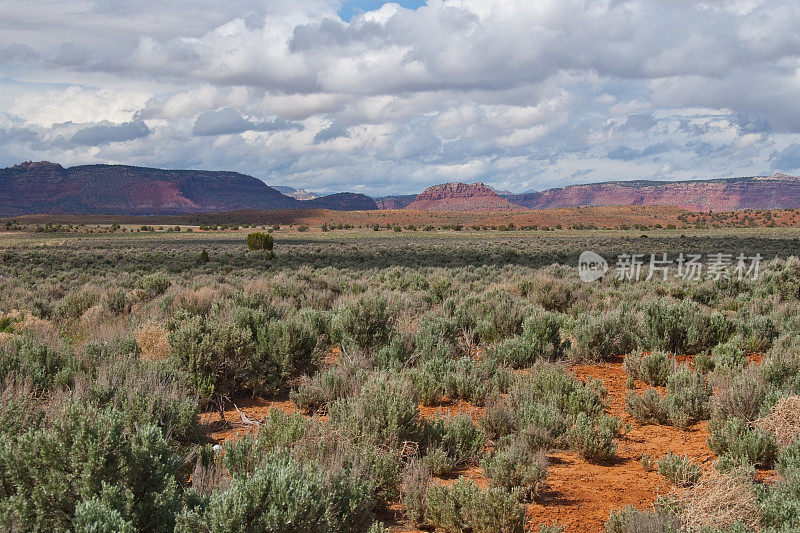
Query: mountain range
[47,188]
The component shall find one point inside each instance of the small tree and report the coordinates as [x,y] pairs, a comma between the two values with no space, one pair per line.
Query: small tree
[260,241]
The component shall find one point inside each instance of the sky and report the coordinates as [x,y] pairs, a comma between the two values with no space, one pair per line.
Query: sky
[387,98]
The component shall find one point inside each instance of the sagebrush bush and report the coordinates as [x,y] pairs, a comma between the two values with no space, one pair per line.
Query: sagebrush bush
[553,385]
[154,284]
[216,355]
[598,337]
[414,488]
[143,393]
[45,366]
[728,357]
[631,520]
[458,437]
[383,413]
[540,339]
[284,492]
[688,396]
[653,368]
[462,506]
[515,466]
[741,443]
[341,381]
[365,323]
[678,469]
[648,407]
[594,439]
[86,453]
[686,401]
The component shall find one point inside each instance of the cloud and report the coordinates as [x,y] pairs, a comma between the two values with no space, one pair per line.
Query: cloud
[229,121]
[638,122]
[380,97]
[107,132]
[786,160]
[334,131]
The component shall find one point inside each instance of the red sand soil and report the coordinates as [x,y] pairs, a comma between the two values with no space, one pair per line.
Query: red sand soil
[254,408]
[578,495]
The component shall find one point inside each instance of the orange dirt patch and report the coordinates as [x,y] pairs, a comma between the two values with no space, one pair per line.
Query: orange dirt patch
[451,407]
[580,495]
[577,494]
[256,409]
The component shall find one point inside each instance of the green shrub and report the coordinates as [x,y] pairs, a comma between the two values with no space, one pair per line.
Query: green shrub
[154,284]
[458,438]
[631,520]
[540,339]
[653,368]
[499,419]
[598,337]
[648,407]
[728,357]
[703,364]
[75,304]
[542,426]
[666,324]
[340,381]
[116,302]
[687,398]
[741,443]
[743,395]
[144,393]
[465,382]
[780,504]
[365,323]
[283,494]
[384,413]
[20,408]
[415,486]
[462,506]
[552,385]
[286,348]
[260,241]
[594,439]
[683,327]
[515,466]
[678,469]
[96,516]
[789,459]
[83,454]
[46,367]
[216,355]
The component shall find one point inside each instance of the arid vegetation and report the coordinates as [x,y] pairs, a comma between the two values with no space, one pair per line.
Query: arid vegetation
[360,381]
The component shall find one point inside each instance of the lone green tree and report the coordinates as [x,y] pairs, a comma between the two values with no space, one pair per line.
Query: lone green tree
[260,241]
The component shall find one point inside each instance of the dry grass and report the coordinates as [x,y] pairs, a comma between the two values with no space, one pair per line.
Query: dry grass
[152,339]
[719,501]
[199,301]
[783,421]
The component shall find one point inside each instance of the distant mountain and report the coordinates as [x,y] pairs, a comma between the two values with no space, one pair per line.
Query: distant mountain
[460,197]
[125,190]
[298,194]
[44,187]
[395,202]
[778,191]
[342,201]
